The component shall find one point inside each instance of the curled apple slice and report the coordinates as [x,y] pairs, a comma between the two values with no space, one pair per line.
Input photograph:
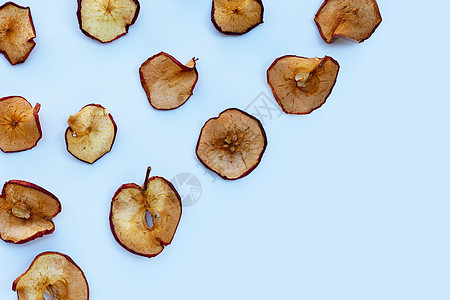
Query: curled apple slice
[236,17]
[128,215]
[55,273]
[91,133]
[167,82]
[351,19]
[16,32]
[232,144]
[301,85]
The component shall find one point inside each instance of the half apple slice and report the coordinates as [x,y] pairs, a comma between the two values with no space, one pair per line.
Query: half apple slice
[236,17]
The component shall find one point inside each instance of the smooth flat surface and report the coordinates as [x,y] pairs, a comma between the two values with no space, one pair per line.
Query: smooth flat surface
[350,202]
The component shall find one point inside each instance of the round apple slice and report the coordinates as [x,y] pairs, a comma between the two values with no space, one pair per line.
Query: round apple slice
[26,212]
[351,19]
[128,215]
[16,32]
[232,144]
[55,273]
[91,133]
[167,82]
[301,85]
[19,124]
[236,17]
[106,20]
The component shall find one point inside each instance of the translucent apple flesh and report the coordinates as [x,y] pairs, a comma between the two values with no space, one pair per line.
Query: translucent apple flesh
[236,17]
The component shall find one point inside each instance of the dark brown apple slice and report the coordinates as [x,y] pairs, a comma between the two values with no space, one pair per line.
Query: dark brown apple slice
[19,124]
[351,19]
[55,273]
[167,82]
[128,215]
[301,85]
[16,32]
[26,212]
[91,133]
[106,20]
[236,17]
[232,144]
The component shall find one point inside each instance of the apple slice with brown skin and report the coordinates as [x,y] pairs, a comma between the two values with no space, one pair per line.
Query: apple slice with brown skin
[26,212]
[16,32]
[232,144]
[301,85]
[106,20]
[91,133]
[167,82]
[55,273]
[236,17]
[128,215]
[19,124]
[351,19]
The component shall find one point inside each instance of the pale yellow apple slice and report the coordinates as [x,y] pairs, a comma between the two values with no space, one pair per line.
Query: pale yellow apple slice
[236,17]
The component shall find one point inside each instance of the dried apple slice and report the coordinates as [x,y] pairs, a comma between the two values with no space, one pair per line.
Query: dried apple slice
[91,133]
[236,17]
[351,19]
[301,85]
[55,273]
[106,20]
[16,32]
[128,215]
[167,82]
[232,144]
[26,212]
[19,124]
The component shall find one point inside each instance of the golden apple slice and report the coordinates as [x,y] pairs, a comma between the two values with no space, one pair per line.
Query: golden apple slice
[16,32]
[232,144]
[106,20]
[55,273]
[128,215]
[301,85]
[351,19]
[167,82]
[236,17]
[91,133]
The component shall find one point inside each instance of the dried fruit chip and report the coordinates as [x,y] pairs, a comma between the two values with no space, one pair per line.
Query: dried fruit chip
[26,212]
[91,133]
[236,17]
[232,144]
[352,19]
[167,82]
[301,85]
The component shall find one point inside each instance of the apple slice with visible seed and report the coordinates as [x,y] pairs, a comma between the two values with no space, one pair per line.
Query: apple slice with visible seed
[16,32]
[232,144]
[236,17]
[301,85]
[26,212]
[106,20]
[91,133]
[128,215]
[167,82]
[55,273]
[351,19]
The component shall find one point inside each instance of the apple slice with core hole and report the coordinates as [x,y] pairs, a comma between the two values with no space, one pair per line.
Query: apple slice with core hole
[236,17]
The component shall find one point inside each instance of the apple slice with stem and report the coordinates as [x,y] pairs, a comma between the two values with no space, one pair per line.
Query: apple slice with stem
[236,17]
[128,215]
[55,273]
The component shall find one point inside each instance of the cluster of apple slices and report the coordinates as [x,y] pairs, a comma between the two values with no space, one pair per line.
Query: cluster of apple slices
[236,17]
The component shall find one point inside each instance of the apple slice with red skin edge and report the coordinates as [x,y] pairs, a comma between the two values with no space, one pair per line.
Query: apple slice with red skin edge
[26,212]
[91,133]
[106,20]
[301,85]
[128,215]
[16,32]
[55,273]
[20,129]
[232,144]
[236,17]
[167,82]
[351,19]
